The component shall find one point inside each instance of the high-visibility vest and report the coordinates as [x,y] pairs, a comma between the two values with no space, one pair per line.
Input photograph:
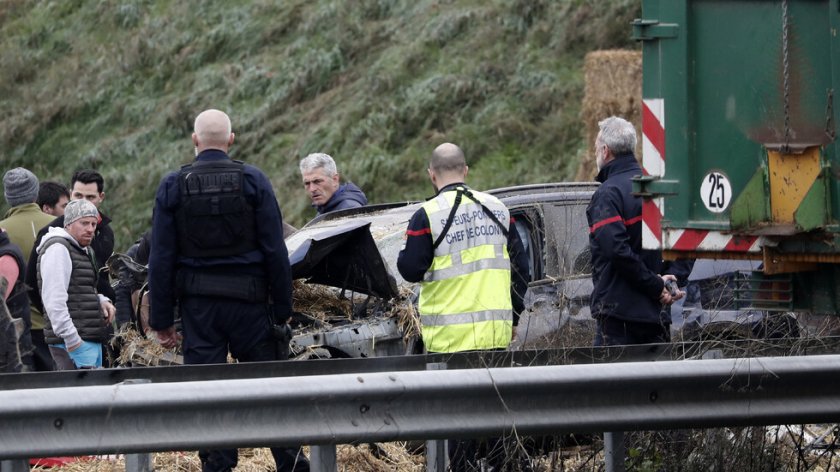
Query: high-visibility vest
[465,294]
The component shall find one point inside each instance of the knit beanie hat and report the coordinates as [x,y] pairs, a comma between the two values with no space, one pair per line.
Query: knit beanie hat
[20,186]
[79,209]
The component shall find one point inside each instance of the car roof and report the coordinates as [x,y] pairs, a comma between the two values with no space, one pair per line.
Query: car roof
[515,195]
[387,225]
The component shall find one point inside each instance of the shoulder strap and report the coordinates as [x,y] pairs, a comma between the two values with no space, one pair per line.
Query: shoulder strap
[449,219]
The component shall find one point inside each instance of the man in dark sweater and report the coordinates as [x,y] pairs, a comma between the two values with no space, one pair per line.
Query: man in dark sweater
[322,183]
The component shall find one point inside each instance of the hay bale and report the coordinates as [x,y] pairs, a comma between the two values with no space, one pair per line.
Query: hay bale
[613,86]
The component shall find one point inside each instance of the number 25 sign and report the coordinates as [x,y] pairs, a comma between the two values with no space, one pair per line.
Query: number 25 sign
[715,192]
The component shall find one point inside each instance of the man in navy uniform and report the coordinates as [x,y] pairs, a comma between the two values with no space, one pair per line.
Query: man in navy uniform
[629,282]
[218,251]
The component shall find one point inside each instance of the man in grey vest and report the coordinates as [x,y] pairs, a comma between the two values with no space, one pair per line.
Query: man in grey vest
[76,315]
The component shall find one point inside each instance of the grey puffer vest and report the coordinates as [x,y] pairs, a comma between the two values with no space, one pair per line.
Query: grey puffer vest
[82,301]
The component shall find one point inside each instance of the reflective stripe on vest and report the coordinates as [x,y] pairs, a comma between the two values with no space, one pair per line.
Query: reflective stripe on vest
[469,261]
[465,296]
[463,318]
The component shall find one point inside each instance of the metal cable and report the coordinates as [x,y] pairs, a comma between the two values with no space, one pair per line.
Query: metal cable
[786,72]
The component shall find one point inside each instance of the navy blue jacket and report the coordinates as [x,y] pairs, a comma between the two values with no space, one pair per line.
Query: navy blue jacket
[347,196]
[271,259]
[417,255]
[626,278]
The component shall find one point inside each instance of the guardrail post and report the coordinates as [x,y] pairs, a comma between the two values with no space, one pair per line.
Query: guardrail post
[142,462]
[138,463]
[437,453]
[614,451]
[322,458]
[14,465]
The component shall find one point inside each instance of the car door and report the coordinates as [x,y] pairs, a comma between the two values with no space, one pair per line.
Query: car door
[555,236]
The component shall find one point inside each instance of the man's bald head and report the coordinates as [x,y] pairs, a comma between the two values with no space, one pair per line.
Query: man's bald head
[447,165]
[447,158]
[212,130]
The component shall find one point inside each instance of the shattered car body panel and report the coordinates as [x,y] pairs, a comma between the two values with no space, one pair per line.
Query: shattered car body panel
[370,338]
[345,256]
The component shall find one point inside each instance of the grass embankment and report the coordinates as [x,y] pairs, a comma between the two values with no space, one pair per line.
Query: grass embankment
[115,85]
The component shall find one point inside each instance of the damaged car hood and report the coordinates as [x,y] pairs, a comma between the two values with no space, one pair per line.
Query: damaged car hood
[343,252]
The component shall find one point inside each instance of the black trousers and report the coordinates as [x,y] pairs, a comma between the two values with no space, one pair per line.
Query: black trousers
[613,332]
[212,326]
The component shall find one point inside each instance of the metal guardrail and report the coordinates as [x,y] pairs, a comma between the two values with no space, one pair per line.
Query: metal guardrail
[462,360]
[346,408]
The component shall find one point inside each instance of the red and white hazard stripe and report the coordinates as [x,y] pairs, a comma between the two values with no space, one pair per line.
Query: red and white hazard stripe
[699,240]
[653,163]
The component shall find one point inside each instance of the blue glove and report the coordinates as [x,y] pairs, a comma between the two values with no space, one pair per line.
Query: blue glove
[87,356]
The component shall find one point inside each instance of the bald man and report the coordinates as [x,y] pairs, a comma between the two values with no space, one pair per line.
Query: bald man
[461,246]
[218,251]
[470,236]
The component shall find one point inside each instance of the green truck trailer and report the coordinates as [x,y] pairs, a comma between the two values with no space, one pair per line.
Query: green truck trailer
[740,154]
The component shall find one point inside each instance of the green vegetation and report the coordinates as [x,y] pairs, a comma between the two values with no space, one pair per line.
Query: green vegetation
[115,85]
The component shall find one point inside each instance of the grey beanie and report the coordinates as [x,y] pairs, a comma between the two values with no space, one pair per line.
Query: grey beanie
[79,209]
[20,186]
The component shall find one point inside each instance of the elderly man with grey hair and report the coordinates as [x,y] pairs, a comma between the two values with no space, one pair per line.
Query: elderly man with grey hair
[629,293]
[77,316]
[321,181]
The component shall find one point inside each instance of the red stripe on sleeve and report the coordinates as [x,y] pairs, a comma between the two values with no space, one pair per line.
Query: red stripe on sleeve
[632,221]
[607,221]
[420,232]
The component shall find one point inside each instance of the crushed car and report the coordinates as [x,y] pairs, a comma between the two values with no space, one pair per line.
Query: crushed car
[355,251]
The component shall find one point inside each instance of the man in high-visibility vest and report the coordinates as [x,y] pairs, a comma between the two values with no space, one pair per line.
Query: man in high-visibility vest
[461,246]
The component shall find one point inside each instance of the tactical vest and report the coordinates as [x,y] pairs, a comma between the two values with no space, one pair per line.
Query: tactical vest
[18,300]
[465,294]
[214,219]
[82,301]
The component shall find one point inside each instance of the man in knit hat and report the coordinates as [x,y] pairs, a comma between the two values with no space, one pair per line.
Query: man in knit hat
[86,184]
[77,316]
[21,223]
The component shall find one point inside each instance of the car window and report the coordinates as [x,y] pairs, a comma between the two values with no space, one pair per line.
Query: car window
[566,240]
[525,228]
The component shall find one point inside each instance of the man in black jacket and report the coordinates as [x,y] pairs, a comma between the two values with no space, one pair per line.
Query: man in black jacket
[629,293]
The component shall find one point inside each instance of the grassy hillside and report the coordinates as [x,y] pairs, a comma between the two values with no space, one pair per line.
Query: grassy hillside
[378,84]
